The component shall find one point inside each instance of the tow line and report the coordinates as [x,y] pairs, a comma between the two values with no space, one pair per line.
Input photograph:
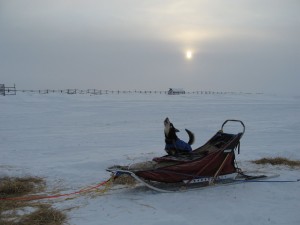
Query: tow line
[106,184]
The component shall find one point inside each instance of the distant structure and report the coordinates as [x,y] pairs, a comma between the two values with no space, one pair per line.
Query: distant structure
[7,90]
[176,91]
[2,89]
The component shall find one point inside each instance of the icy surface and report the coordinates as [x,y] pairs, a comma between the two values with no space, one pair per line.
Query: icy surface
[71,139]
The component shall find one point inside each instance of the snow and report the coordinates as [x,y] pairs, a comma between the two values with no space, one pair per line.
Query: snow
[71,139]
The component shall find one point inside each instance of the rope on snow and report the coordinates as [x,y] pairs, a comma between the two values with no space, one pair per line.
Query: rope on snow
[106,184]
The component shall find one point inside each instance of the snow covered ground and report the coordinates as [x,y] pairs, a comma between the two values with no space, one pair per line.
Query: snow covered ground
[71,139]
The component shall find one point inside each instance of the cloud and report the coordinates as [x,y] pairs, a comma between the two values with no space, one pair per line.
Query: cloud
[238,45]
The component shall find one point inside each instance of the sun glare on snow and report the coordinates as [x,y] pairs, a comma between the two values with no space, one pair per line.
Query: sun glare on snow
[189,54]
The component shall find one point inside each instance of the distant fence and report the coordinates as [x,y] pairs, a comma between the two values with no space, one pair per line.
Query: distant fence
[90,91]
[102,92]
[7,90]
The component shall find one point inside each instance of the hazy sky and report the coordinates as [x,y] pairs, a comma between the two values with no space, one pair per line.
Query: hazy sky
[236,45]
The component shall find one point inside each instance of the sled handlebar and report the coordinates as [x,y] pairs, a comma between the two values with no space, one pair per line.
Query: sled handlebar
[239,121]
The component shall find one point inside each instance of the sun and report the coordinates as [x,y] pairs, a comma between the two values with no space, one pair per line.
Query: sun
[189,54]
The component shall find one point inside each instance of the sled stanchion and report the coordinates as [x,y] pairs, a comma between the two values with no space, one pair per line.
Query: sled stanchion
[219,170]
[208,164]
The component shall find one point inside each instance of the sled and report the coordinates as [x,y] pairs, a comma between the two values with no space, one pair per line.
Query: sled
[200,183]
[211,164]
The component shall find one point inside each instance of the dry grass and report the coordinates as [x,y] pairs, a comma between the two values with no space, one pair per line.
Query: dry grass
[15,212]
[44,215]
[124,179]
[278,161]
[13,187]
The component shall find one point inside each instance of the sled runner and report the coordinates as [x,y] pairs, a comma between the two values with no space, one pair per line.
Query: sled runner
[212,163]
[196,184]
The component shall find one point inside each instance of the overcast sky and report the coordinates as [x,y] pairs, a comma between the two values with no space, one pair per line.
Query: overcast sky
[236,45]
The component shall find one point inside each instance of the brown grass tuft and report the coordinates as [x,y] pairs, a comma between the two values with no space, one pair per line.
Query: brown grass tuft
[278,161]
[44,215]
[124,179]
[14,212]
[15,186]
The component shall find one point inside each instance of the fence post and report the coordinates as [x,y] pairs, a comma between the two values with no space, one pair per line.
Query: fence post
[2,89]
